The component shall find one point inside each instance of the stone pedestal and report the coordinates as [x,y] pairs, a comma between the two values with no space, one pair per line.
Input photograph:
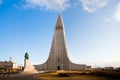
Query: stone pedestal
[28,67]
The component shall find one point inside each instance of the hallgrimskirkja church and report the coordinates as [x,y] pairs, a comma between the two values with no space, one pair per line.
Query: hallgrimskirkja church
[58,58]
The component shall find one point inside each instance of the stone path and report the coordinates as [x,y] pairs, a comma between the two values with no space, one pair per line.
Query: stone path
[18,77]
[7,75]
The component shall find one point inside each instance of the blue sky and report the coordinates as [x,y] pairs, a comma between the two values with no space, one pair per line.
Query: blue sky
[92,30]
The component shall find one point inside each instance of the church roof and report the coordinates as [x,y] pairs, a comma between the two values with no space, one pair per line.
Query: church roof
[59,23]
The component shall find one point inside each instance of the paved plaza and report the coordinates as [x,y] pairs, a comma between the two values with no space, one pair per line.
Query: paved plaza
[18,77]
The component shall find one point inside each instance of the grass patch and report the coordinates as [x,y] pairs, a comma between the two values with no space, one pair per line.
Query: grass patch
[109,74]
[63,75]
[70,76]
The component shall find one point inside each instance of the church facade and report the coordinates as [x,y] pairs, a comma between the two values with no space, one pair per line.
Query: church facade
[58,58]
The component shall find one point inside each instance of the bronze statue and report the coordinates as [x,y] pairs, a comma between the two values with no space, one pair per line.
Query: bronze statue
[26,56]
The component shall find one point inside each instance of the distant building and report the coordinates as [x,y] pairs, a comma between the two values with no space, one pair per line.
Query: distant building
[8,65]
[88,67]
[109,68]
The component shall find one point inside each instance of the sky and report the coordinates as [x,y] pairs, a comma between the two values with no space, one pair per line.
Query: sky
[92,29]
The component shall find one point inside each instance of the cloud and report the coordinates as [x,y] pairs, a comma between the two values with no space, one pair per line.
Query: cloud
[56,5]
[61,5]
[0,1]
[116,14]
[108,20]
[92,5]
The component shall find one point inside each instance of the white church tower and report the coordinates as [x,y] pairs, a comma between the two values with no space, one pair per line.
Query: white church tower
[58,58]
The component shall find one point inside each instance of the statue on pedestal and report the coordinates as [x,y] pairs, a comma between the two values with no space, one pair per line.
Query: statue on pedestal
[28,67]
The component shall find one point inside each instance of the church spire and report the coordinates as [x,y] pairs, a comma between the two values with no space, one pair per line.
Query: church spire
[58,58]
[59,24]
